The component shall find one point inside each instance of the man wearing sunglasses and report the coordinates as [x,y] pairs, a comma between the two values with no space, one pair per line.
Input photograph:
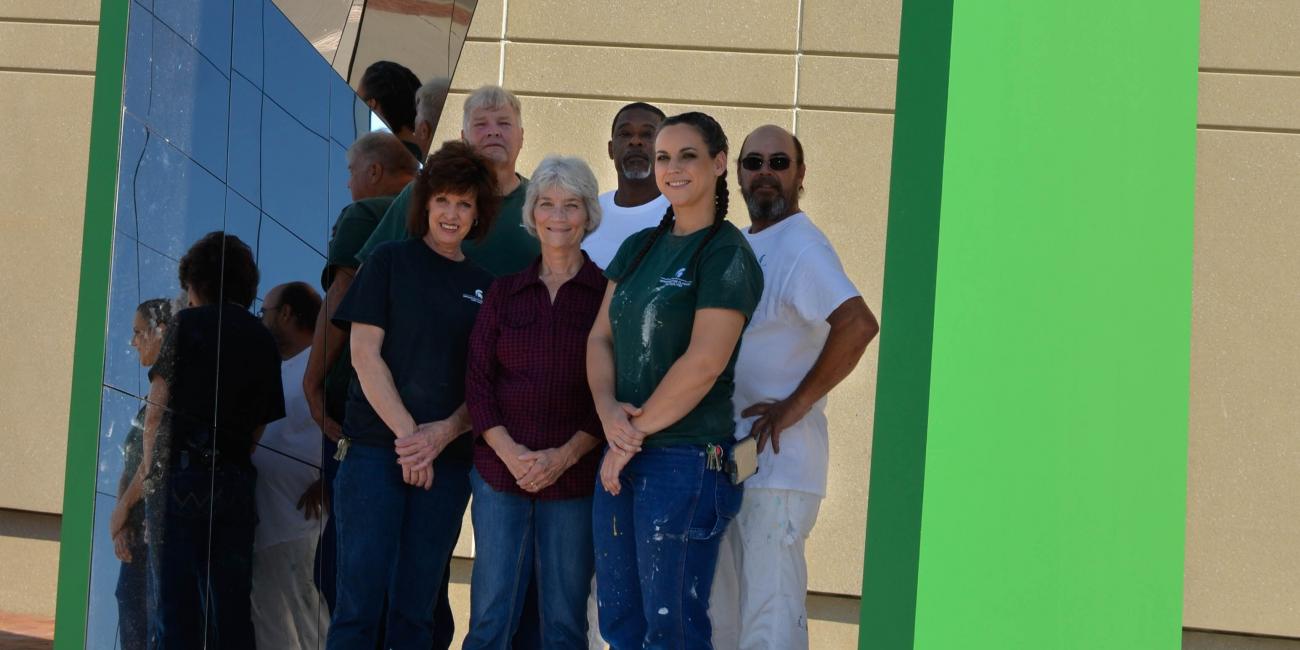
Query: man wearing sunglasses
[807,334]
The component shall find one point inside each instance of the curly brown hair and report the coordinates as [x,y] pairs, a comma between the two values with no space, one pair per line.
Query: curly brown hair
[220,267]
[455,167]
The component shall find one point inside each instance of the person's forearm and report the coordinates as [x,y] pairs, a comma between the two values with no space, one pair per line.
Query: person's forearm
[326,346]
[159,394]
[600,372]
[459,421]
[498,439]
[377,385]
[579,445]
[853,326]
[680,391]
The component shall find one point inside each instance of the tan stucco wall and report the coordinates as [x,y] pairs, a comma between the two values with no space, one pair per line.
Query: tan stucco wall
[47,62]
[826,69]
[1243,517]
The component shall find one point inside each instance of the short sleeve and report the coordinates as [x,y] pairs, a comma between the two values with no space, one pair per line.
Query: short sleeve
[820,283]
[391,228]
[618,266]
[367,299]
[351,233]
[729,278]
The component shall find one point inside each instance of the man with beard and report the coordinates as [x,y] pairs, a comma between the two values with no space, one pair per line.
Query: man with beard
[637,203]
[808,332]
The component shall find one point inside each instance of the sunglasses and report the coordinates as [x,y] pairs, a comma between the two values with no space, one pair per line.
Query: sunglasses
[777,163]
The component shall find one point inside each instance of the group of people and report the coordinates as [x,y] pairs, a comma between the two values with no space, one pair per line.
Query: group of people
[575,368]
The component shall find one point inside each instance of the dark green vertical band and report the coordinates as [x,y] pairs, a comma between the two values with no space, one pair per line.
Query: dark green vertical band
[92,315]
[907,317]
[1029,468]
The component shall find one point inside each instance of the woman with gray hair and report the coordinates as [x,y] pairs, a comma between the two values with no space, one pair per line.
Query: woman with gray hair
[535,426]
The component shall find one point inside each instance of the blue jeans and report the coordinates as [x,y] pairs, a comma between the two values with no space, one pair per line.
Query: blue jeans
[132,598]
[204,558]
[657,546]
[520,539]
[394,540]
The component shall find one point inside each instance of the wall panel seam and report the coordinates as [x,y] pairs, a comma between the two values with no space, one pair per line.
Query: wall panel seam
[47,71]
[1247,129]
[1251,72]
[56,22]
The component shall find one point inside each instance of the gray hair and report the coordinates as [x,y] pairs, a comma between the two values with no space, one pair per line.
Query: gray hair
[431,97]
[383,148]
[567,173]
[490,97]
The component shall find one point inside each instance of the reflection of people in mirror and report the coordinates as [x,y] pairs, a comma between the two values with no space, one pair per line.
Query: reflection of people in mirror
[288,612]
[148,328]
[219,376]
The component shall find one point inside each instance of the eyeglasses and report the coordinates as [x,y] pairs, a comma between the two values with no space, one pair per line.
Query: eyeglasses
[262,312]
[755,162]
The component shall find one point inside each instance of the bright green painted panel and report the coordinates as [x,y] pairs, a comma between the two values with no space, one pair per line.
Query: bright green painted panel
[1055,461]
[92,314]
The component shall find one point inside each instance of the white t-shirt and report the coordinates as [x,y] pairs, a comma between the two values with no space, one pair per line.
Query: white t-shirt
[287,461]
[618,223]
[803,282]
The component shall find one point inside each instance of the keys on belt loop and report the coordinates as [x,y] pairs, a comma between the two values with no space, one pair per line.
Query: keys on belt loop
[342,452]
[714,455]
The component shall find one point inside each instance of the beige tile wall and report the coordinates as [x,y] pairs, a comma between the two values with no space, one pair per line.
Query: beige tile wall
[29,561]
[1243,518]
[47,60]
[574,63]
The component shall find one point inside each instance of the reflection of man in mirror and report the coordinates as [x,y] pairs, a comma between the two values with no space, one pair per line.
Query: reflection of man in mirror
[219,376]
[149,326]
[492,124]
[389,90]
[429,100]
[813,315]
[637,203]
[288,611]
[378,168]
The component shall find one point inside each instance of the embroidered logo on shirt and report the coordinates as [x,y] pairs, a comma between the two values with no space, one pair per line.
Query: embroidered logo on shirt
[476,297]
[676,280]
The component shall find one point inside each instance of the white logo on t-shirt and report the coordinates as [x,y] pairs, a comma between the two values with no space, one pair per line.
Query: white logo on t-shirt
[476,297]
[676,280]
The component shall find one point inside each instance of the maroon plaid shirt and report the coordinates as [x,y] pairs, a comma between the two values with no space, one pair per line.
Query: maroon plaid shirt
[528,373]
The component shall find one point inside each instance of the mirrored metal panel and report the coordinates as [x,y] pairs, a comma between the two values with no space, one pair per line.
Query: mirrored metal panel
[425,36]
[232,173]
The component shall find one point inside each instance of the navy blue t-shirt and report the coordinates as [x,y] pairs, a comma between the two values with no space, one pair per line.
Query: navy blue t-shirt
[426,304]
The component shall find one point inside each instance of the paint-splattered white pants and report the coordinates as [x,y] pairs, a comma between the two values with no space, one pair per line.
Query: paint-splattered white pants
[761,584]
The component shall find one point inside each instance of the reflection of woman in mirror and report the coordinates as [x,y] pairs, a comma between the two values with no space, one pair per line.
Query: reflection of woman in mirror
[403,480]
[218,377]
[660,361]
[152,318]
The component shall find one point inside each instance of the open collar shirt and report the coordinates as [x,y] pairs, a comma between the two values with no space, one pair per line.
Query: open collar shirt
[528,372]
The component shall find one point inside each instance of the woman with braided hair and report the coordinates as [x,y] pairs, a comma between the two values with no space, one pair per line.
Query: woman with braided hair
[660,360]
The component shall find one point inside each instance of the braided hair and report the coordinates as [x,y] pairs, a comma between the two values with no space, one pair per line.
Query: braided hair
[716,141]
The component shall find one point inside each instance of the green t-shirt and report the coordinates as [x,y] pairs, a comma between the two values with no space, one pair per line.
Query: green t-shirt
[355,224]
[653,310]
[507,249]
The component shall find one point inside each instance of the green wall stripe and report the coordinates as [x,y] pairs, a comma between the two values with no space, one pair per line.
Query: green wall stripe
[92,313]
[903,382]
[1055,462]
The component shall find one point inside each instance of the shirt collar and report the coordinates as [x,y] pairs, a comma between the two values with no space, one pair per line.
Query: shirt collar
[589,275]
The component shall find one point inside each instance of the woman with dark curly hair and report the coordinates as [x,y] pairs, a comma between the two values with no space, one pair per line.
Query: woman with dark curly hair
[214,388]
[403,481]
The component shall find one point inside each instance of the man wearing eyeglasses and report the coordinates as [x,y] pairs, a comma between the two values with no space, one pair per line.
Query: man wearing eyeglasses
[807,334]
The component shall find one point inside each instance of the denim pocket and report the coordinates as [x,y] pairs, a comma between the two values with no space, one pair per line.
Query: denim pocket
[713,515]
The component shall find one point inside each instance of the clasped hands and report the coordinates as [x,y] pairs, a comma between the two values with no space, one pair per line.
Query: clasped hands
[624,443]
[417,451]
[534,471]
